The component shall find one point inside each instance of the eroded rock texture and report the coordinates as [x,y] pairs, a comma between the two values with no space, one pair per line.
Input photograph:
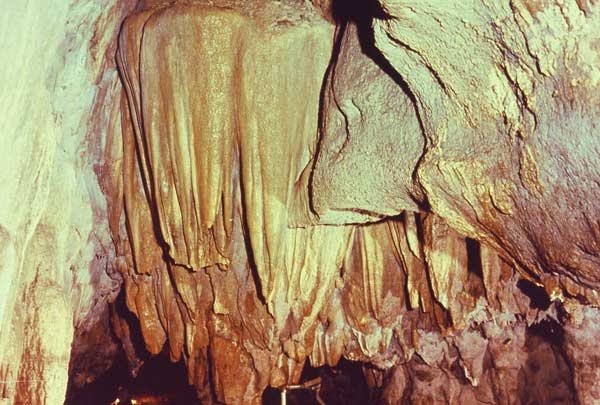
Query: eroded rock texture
[507,103]
[371,139]
[506,97]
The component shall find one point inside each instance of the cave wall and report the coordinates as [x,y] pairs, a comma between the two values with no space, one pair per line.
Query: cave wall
[506,101]
[57,75]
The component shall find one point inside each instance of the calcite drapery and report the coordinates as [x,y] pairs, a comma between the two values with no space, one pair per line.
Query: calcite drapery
[209,159]
[219,128]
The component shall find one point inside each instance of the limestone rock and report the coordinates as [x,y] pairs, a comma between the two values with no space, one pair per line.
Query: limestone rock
[370,142]
[213,152]
[580,344]
[222,258]
[510,116]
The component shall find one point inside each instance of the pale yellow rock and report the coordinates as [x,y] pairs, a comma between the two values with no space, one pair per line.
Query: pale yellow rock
[370,138]
[450,271]
[53,223]
[43,376]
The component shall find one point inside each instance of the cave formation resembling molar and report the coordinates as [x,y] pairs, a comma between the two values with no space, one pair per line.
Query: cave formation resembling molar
[410,188]
[368,123]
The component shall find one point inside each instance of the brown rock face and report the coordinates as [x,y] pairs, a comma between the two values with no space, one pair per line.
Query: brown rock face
[410,188]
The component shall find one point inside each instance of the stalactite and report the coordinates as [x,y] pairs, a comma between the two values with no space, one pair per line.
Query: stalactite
[226,263]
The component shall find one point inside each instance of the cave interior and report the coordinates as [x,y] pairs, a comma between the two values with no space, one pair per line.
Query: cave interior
[300,202]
